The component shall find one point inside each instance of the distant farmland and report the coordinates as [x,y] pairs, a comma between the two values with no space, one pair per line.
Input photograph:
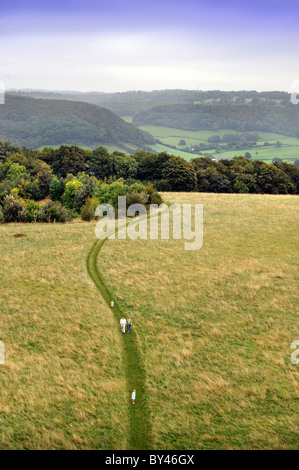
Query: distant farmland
[289,151]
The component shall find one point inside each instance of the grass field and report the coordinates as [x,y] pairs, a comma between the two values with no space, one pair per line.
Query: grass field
[63,385]
[216,325]
[213,329]
[288,152]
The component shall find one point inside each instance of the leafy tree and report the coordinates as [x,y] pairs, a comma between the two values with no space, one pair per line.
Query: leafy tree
[5,188]
[211,180]
[87,212]
[56,189]
[6,149]
[240,186]
[293,173]
[101,163]
[150,166]
[2,171]
[44,178]
[84,193]
[180,174]
[16,173]
[71,189]
[69,159]
[271,180]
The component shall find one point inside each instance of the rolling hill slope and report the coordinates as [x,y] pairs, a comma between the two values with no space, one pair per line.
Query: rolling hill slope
[37,122]
[242,118]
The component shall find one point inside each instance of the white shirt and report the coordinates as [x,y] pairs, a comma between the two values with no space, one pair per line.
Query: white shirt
[123,321]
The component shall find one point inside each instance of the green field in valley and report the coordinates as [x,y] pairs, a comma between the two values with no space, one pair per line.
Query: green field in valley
[289,151]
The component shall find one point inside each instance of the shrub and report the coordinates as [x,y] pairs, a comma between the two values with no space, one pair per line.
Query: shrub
[1,216]
[163,185]
[136,188]
[32,209]
[52,212]
[14,210]
[137,198]
[154,196]
[87,211]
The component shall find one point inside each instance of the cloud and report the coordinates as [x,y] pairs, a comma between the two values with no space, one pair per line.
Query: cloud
[124,44]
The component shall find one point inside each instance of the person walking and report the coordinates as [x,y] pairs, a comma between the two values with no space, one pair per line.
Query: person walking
[128,324]
[112,303]
[123,323]
[133,396]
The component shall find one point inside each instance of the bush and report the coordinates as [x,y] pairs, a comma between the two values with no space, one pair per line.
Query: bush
[154,196]
[1,216]
[14,210]
[137,198]
[136,188]
[163,185]
[87,212]
[53,212]
[32,209]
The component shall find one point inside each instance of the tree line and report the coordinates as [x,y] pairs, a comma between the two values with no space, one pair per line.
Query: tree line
[60,184]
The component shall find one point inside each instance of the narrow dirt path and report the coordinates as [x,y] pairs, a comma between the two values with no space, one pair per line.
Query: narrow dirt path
[139,435]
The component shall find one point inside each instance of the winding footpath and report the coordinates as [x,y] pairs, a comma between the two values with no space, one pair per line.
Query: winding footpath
[140,433]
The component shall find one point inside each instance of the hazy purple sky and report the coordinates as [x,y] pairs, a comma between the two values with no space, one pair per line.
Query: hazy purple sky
[118,45]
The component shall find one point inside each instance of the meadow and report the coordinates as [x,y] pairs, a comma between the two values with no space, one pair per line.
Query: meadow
[213,329]
[215,325]
[63,382]
[289,151]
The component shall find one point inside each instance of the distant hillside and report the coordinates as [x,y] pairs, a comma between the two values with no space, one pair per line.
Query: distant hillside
[38,122]
[255,117]
[130,103]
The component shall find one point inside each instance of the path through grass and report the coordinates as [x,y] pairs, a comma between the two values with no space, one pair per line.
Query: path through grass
[139,415]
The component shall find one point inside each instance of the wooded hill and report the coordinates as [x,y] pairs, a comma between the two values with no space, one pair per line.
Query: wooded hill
[38,122]
[130,103]
[243,118]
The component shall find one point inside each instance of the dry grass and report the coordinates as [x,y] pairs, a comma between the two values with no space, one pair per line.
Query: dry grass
[216,325]
[214,329]
[63,384]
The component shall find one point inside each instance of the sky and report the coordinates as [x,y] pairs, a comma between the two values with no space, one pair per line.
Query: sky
[121,45]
